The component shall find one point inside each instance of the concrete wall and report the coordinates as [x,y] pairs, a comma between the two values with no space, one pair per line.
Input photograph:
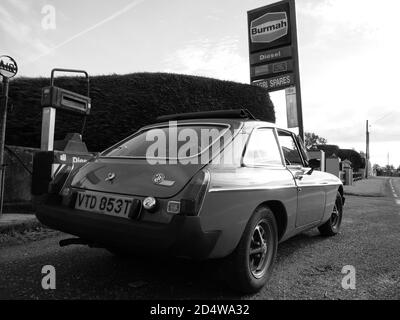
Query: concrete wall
[18,180]
[332,166]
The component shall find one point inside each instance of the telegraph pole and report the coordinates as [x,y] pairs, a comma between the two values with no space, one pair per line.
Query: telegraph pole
[4,100]
[367,150]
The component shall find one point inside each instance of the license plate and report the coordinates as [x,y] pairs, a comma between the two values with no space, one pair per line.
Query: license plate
[101,203]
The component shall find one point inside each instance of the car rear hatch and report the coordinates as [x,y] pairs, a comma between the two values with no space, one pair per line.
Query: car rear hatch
[134,177]
[127,168]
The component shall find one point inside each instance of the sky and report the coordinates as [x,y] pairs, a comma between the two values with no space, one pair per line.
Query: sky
[348,51]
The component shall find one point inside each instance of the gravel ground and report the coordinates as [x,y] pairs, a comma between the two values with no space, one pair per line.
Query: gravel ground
[35,233]
[308,266]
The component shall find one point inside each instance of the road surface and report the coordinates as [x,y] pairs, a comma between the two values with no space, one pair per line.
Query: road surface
[307,267]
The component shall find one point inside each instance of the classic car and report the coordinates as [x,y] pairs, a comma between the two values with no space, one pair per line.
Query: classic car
[206,185]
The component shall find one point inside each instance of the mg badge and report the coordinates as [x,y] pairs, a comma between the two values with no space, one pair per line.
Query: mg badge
[110,177]
[158,178]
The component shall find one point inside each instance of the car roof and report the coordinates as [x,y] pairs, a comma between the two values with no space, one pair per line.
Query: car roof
[220,114]
[234,118]
[233,123]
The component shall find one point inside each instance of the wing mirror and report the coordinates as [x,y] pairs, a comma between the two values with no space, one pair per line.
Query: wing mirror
[314,164]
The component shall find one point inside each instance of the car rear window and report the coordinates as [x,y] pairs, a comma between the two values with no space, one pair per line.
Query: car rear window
[169,142]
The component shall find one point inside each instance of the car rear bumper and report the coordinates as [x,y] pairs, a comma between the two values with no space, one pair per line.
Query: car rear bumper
[183,236]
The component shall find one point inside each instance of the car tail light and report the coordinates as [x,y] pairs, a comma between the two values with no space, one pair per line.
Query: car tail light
[196,191]
[59,179]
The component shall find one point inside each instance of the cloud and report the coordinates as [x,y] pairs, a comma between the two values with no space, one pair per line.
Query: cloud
[347,53]
[87,30]
[21,5]
[210,58]
[20,31]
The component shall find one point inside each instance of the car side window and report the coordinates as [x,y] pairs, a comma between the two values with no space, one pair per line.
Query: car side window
[262,148]
[289,148]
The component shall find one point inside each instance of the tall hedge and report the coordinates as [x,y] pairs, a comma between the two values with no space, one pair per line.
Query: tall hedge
[357,162]
[329,149]
[123,103]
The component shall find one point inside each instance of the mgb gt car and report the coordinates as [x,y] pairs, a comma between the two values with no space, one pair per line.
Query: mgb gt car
[203,185]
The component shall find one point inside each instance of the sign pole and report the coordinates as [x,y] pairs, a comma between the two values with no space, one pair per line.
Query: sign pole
[48,124]
[4,102]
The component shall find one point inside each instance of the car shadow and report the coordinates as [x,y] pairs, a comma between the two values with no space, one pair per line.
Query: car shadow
[154,276]
[300,240]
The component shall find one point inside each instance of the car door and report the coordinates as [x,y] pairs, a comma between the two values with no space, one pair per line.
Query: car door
[264,164]
[310,193]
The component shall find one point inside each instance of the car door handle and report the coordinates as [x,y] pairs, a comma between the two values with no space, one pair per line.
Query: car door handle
[298,176]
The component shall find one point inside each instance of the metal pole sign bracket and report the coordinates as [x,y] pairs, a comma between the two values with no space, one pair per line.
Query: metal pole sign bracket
[66,100]
[57,98]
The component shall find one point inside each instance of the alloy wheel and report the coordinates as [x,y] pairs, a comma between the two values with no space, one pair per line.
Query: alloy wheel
[259,250]
[335,217]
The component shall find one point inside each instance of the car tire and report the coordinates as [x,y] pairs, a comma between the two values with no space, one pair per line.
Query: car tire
[332,226]
[246,270]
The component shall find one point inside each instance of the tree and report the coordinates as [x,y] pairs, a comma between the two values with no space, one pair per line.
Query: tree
[330,150]
[357,162]
[312,139]
[377,169]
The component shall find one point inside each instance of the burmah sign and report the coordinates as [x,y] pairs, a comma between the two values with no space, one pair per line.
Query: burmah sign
[274,52]
[269,27]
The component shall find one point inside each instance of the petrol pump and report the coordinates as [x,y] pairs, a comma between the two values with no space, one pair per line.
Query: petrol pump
[71,151]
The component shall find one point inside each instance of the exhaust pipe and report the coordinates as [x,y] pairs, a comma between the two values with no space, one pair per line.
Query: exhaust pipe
[70,241]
